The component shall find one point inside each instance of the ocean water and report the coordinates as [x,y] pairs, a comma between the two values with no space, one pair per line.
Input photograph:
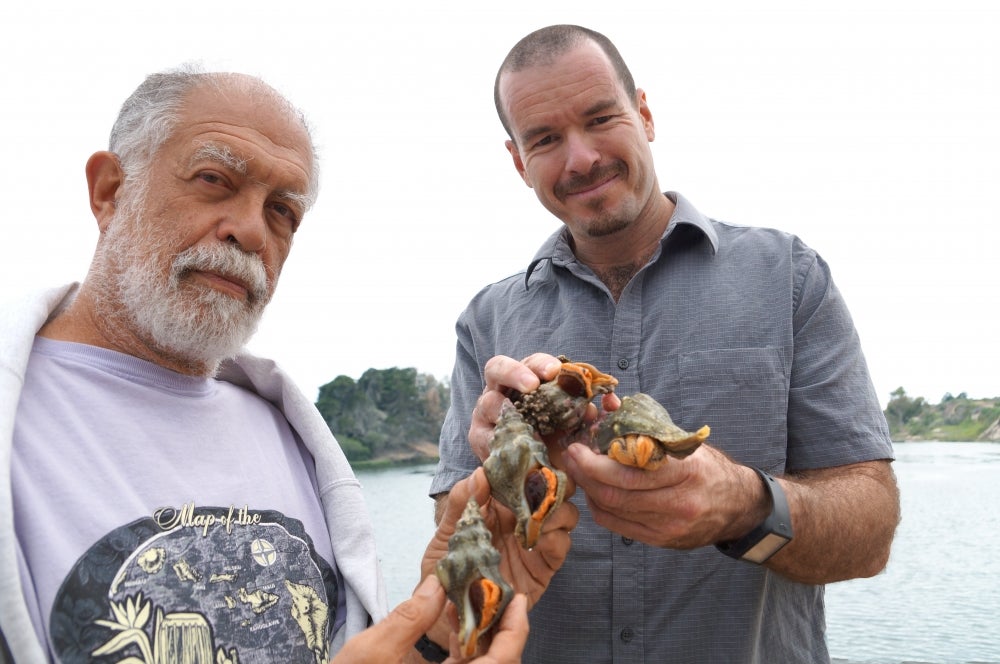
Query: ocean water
[937,602]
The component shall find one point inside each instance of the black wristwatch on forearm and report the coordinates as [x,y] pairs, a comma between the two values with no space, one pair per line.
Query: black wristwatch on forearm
[430,651]
[766,539]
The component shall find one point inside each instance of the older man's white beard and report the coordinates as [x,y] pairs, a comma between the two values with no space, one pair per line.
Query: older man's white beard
[189,321]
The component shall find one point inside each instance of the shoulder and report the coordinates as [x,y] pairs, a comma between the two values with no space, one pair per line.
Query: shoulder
[762,244]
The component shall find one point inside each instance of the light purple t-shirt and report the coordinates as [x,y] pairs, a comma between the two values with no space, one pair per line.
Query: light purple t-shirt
[179,510]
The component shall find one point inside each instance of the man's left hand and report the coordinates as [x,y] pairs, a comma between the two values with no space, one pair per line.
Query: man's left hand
[683,504]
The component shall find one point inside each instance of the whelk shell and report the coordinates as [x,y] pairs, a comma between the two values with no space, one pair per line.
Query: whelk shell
[641,434]
[559,405]
[471,577]
[520,475]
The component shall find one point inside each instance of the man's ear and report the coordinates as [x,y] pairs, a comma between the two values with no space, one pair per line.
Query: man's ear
[104,181]
[645,114]
[518,164]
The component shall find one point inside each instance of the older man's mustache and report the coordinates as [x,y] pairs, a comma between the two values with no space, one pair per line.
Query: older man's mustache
[229,262]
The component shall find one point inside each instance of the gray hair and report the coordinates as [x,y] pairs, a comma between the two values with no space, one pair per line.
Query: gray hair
[544,46]
[150,115]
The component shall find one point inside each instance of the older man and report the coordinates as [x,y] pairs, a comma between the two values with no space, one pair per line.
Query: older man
[738,328]
[172,498]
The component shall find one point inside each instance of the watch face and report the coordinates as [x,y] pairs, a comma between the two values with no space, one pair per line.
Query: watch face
[765,548]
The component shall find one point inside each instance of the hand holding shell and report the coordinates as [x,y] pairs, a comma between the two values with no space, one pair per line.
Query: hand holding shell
[471,577]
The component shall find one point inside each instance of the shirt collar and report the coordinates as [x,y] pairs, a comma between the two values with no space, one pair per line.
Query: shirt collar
[557,248]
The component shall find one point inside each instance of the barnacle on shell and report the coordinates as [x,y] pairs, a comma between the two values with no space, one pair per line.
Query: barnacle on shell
[640,433]
[471,577]
[520,475]
[560,404]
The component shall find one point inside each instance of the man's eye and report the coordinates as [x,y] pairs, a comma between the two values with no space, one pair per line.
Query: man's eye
[286,212]
[601,120]
[211,178]
[545,141]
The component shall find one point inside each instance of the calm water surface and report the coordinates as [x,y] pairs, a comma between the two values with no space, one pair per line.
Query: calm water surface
[938,600]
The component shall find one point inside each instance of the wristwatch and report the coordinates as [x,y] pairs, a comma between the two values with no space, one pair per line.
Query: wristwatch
[766,539]
[430,651]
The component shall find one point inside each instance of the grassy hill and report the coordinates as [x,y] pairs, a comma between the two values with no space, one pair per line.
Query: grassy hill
[954,419]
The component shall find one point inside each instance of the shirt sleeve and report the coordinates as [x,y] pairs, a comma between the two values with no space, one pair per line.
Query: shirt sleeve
[834,417]
[456,458]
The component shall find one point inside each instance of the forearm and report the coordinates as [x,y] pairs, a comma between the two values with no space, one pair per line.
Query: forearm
[844,520]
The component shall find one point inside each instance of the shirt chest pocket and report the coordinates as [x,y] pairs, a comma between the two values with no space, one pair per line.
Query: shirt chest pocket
[742,394]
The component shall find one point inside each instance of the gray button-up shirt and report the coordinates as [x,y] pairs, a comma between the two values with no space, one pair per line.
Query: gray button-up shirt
[735,327]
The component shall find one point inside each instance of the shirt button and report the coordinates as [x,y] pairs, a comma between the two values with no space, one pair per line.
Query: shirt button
[623,363]
[627,634]
[627,541]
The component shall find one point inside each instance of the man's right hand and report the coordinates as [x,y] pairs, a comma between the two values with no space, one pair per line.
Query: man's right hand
[504,376]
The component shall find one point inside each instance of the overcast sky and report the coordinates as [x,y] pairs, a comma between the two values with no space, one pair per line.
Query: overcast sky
[869,129]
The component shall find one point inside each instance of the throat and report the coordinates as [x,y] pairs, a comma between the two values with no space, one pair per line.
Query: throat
[616,277]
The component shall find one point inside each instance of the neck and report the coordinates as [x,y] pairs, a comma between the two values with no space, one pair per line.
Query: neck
[616,258]
[81,322]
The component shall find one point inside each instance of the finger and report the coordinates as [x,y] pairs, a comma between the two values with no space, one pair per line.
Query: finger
[544,365]
[487,408]
[564,518]
[392,639]
[591,469]
[454,505]
[556,539]
[478,486]
[459,495]
[508,643]
[481,430]
[504,373]
[627,493]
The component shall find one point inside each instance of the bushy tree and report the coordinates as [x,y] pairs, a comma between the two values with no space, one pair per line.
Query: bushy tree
[385,409]
[902,409]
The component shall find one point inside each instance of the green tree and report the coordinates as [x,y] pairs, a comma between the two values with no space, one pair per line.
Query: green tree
[902,409]
[384,411]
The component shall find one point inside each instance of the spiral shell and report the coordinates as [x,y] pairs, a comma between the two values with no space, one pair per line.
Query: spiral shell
[640,433]
[471,577]
[558,406]
[520,475]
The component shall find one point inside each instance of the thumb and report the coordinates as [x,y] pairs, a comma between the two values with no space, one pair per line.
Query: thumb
[392,639]
[474,486]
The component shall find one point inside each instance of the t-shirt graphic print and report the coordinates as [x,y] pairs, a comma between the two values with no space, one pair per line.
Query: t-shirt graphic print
[193,585]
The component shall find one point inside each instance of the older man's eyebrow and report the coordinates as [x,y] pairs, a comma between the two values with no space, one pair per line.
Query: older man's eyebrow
[302,201]
[221,154]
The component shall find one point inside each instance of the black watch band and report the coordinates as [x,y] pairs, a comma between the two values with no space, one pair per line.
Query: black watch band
[430,651]
[766,539]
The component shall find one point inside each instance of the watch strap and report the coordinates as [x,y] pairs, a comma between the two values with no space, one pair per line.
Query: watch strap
[769,537]
[430,651]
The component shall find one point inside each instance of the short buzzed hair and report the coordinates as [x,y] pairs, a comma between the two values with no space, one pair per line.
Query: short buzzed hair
[543,46]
